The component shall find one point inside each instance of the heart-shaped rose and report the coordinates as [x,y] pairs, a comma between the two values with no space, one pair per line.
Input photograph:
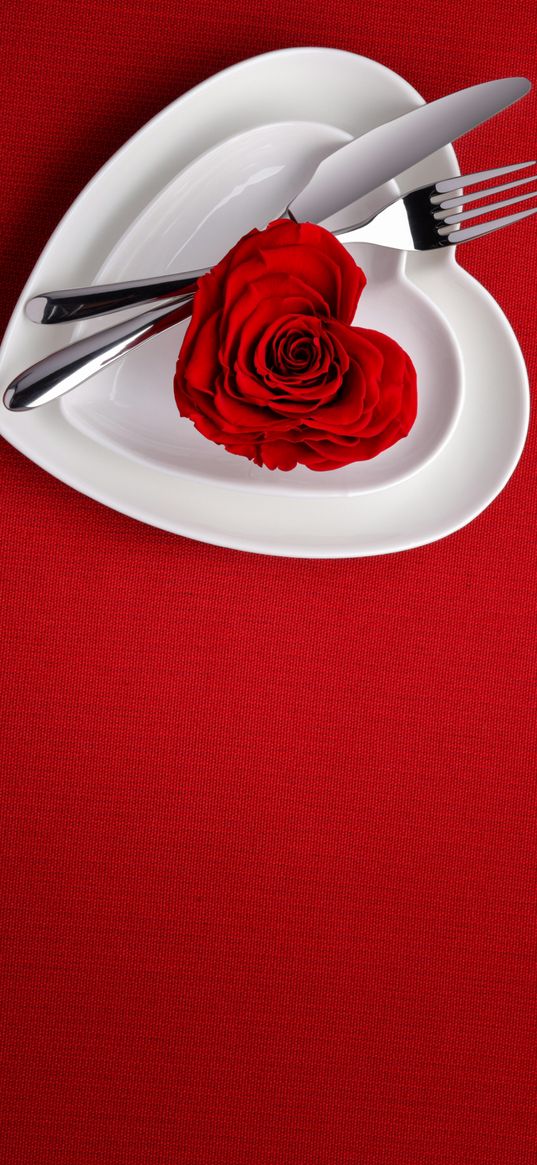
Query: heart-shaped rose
[271,366]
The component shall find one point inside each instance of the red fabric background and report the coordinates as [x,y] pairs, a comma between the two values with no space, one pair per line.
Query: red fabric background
[268,879]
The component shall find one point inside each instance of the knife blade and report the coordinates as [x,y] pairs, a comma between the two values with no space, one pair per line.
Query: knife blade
[346,175]
[384,152]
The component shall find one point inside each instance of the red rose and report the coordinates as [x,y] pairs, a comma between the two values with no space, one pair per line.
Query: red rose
[270,366]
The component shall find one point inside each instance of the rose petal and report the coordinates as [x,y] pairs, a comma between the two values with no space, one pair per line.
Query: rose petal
[270,366]
[330,266]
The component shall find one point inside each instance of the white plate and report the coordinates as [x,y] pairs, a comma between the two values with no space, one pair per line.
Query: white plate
[352,93]
[242,183]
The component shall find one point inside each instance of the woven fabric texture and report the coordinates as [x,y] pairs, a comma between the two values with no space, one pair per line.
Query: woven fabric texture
[268,871]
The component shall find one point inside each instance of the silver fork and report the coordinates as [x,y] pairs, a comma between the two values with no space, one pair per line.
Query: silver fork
[422,220]
[425,219]
[432,215]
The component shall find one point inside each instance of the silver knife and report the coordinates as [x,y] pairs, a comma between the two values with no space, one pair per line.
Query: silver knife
[346,175]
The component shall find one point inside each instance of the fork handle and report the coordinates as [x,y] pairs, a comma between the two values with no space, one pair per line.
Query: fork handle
[66,369]
[82,303]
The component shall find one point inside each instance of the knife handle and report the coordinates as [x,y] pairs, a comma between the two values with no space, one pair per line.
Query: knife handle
[66,369]
[82,303]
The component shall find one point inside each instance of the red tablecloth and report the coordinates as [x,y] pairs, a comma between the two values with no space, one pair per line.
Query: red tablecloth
[268,891]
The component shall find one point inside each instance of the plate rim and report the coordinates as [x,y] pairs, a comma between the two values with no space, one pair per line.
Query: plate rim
[270,543]
[267,484]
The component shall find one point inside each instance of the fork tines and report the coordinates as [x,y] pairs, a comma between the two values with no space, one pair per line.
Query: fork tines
[448,206]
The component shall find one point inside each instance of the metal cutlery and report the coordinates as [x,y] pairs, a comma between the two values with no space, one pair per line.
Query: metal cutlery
[71,366]
[342,178]
[428,218]
[426,224]
[85,303]
[432,215]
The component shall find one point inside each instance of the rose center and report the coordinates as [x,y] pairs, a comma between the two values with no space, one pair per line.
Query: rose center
[295,351]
